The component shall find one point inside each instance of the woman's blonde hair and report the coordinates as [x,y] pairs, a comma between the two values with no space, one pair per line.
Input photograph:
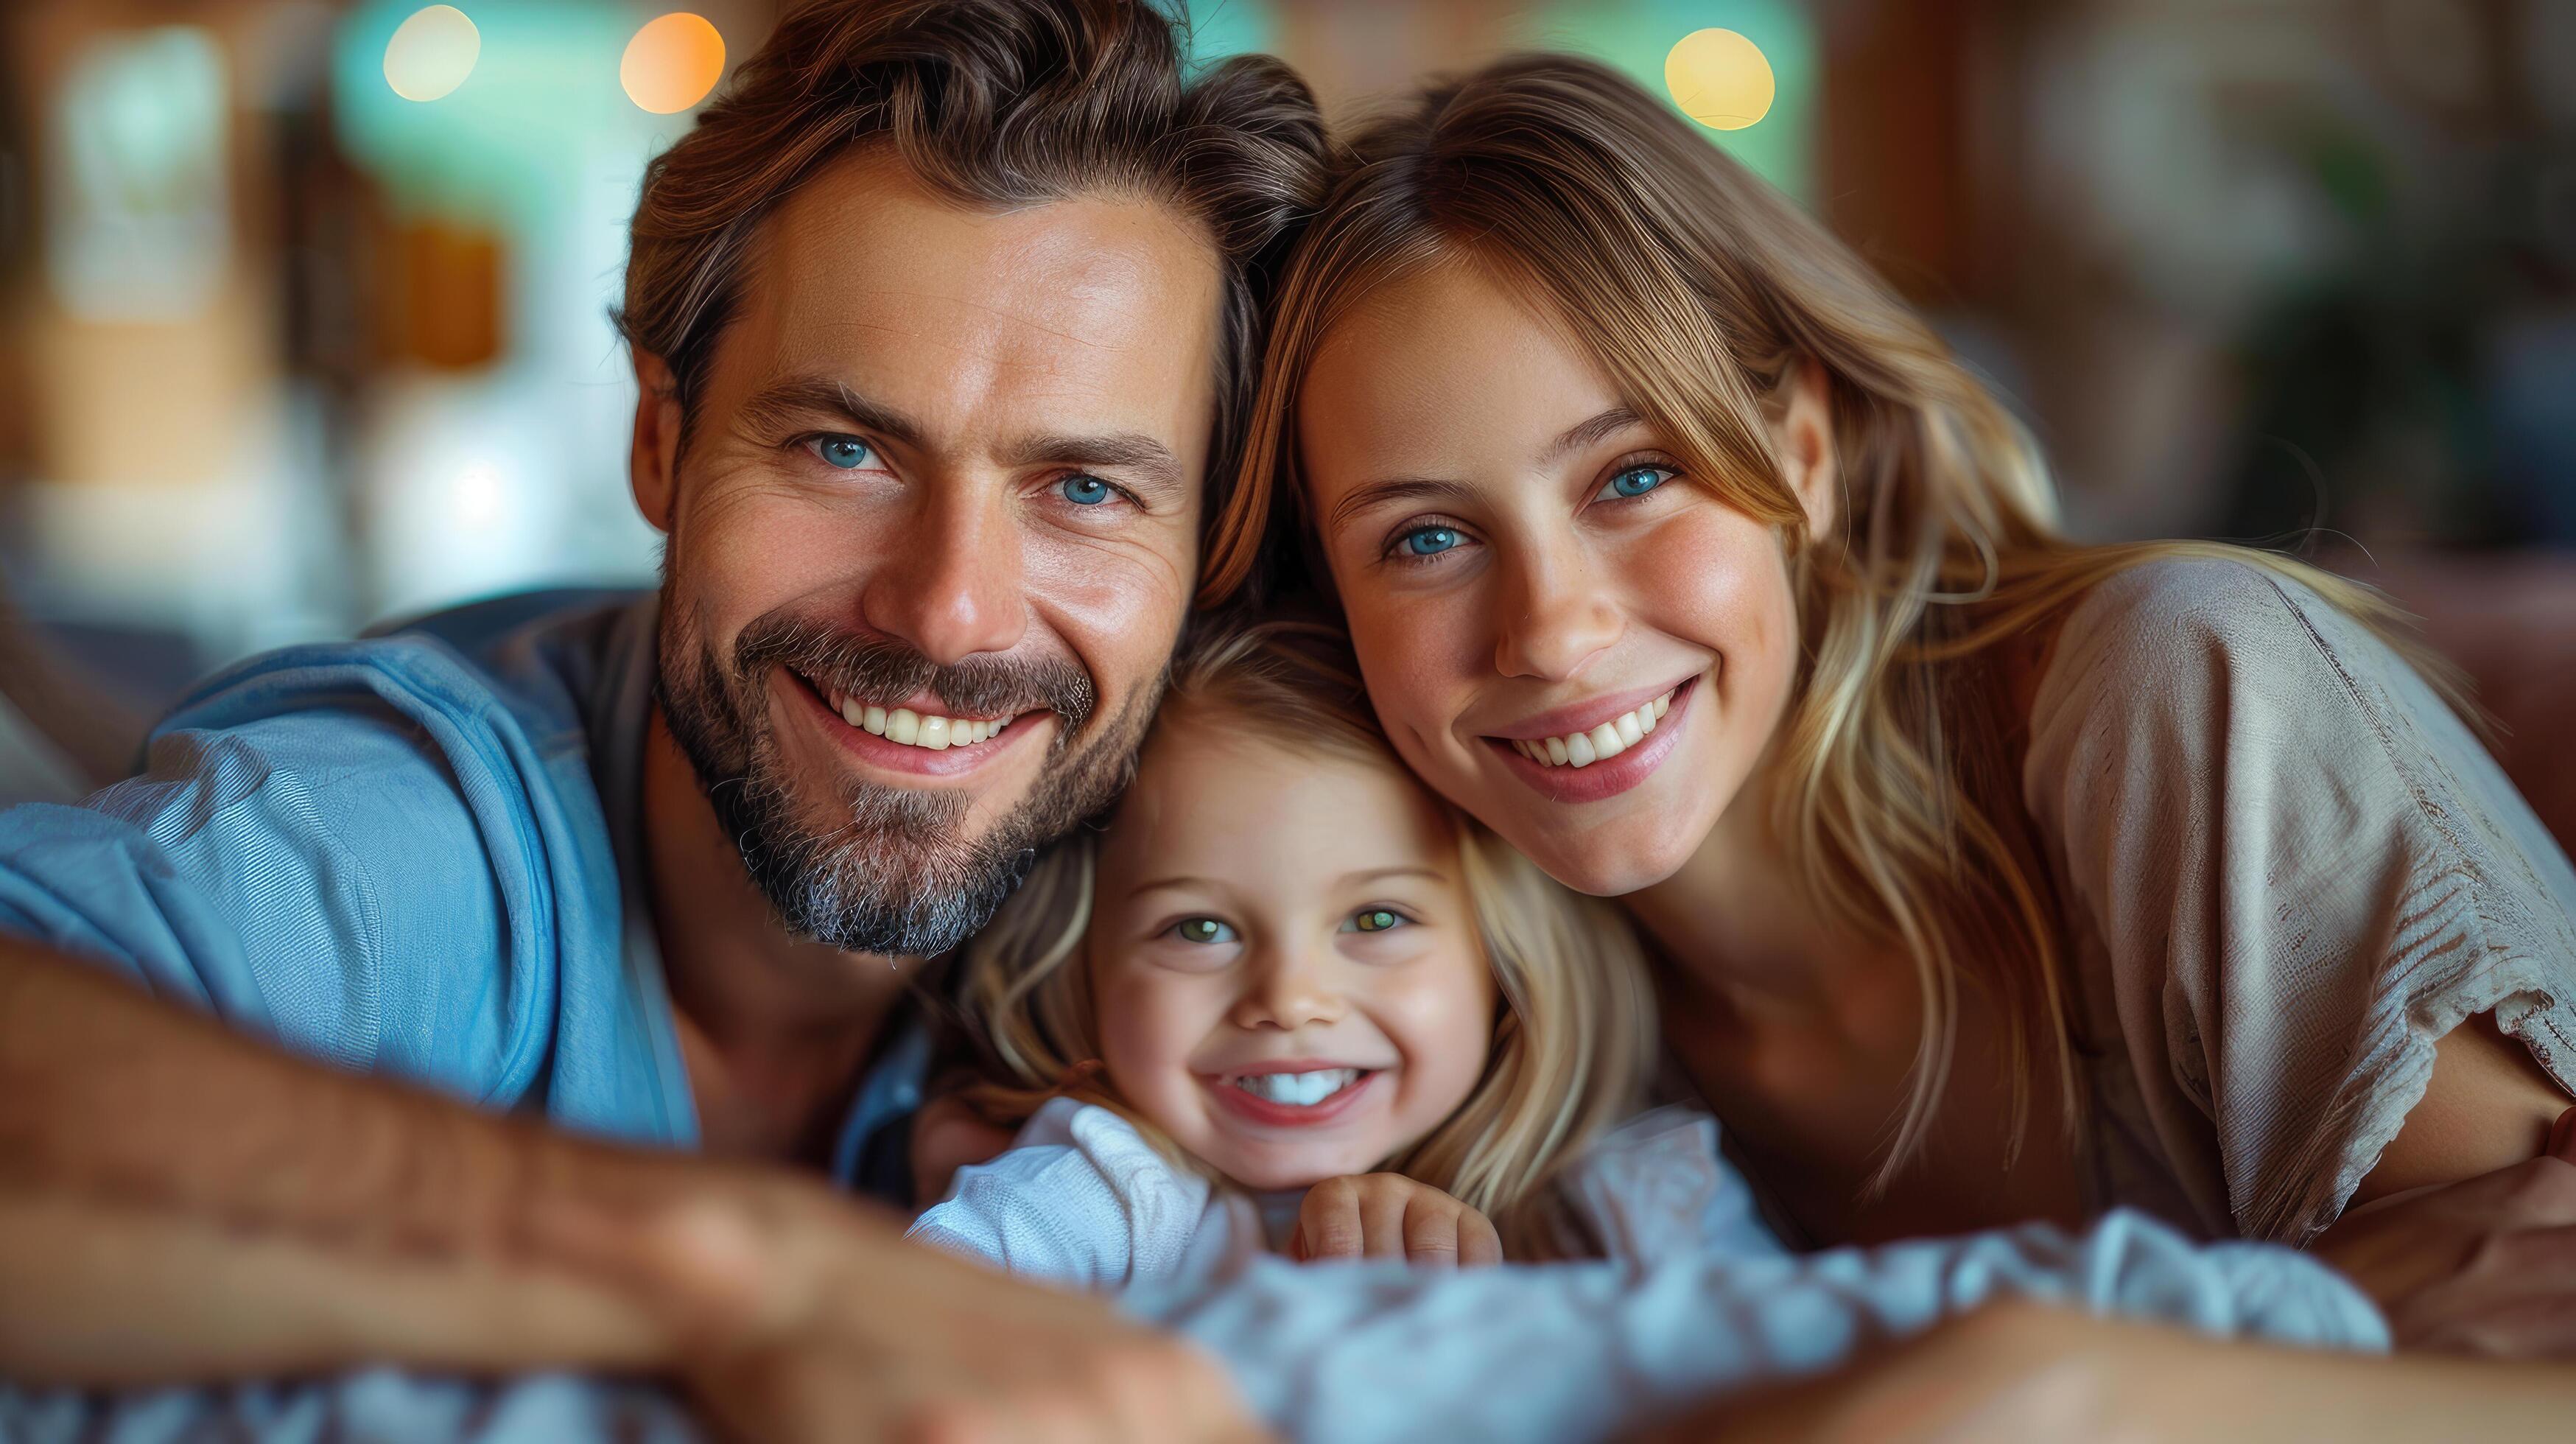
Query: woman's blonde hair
[1704,295]
[1574,1035]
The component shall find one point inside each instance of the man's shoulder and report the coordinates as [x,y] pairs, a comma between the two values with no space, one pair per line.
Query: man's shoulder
[538,658]
[391,852]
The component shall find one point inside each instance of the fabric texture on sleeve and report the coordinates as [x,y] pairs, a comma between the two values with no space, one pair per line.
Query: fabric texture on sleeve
[1658,1187]
[2290,870]
[380,854]
[1380,1351]
[1079,1199]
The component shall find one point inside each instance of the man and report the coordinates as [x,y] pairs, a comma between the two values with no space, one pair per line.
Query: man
[942,319]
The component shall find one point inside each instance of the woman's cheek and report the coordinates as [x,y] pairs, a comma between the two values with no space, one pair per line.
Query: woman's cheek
[1422,659]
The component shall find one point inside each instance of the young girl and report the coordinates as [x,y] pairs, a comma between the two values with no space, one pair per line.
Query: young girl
[1286,962]
[1291,1003]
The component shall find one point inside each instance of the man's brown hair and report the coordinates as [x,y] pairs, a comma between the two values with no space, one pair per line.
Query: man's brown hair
[998,103]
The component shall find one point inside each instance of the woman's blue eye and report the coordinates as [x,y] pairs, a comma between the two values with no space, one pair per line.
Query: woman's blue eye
[1202,930]
[1084,490]
[846,452]
[1377,920]
[1430,541]
[1636,481]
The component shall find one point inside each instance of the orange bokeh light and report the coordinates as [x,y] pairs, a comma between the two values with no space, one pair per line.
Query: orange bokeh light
[672,63]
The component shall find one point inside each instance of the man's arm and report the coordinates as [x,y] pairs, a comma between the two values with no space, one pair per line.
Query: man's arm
[180,1203]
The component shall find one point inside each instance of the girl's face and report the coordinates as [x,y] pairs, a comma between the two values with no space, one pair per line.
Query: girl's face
[1283,956]
[1564,635]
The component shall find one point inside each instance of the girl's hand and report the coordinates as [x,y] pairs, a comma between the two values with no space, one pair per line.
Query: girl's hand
[947,1136]
[1387,1215]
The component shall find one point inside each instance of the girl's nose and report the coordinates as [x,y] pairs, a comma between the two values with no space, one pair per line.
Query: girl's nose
[1288,989]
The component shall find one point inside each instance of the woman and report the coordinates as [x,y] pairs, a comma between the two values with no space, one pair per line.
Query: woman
[1994,877]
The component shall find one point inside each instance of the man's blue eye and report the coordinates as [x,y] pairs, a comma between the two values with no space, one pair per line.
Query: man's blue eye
[1430,541]
[1202,930]
[1085,490]
[846,452]
[1636,481]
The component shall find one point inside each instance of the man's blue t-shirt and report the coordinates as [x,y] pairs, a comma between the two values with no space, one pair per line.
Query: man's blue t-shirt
[417,854]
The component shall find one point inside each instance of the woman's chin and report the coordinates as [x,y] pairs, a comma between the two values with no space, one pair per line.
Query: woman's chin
[1602,867]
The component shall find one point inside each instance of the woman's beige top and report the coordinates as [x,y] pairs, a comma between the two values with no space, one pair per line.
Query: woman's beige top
[2289,869]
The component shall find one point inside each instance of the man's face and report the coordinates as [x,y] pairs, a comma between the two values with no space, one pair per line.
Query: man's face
[932,534]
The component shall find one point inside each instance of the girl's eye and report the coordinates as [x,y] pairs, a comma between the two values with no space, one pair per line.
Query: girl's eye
[1084,490]
[1202,930]
[1428,541]
[1377,920]
[1635,481]
[846,452]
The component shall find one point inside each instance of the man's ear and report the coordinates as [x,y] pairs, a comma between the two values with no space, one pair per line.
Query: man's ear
[1803,435]
[653,465]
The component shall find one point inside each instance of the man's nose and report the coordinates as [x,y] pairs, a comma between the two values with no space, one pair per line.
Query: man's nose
[1289,987]
[1555,616]
[951,582]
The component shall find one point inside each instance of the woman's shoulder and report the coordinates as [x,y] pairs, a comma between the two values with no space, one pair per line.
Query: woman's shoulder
[2188,628]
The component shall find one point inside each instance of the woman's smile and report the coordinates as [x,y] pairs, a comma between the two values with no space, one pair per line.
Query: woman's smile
[1586,764]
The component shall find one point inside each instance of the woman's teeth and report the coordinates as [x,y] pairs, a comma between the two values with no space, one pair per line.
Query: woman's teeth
[936,734]
[1582,749]
[1301,1090]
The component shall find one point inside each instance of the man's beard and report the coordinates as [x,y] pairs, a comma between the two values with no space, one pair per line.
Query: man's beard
[891,870]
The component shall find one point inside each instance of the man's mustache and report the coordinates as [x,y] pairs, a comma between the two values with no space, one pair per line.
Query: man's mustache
[880,669]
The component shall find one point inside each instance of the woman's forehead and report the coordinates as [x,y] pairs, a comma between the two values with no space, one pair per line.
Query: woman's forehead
[1441,366]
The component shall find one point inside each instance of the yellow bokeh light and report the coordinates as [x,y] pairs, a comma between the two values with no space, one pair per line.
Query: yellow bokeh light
[672,63]
[1719,79]
[432,53]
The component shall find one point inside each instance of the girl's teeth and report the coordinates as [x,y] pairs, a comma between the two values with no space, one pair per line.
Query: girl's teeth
[911,728]
[1582,749]
[1299,1090]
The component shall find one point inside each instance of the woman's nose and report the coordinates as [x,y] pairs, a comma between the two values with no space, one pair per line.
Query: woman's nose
[1289,989]
[1556,617]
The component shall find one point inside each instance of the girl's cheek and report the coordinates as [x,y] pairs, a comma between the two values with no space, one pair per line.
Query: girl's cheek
[1445,1014]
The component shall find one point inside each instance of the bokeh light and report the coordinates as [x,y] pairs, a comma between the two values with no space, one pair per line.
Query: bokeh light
[432,53]
[1720,79]
[672,63]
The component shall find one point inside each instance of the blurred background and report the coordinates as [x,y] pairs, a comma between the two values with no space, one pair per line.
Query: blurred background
[303,305]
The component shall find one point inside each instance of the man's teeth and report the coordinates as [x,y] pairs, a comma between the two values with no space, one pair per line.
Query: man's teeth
[910,728]
[1302,1090]
[1582,749]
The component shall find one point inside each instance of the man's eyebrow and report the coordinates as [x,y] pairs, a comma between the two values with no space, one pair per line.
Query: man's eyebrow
[1133,452]
[795,399]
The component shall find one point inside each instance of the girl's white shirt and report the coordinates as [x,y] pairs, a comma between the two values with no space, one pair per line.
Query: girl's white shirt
[1697,1293]
[1082,1200]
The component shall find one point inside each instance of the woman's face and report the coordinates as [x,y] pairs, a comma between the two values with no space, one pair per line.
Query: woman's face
[1561,632]
[1284,958]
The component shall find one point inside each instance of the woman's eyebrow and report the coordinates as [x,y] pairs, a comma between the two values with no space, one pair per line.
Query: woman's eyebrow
[1396,488]
[1589,430]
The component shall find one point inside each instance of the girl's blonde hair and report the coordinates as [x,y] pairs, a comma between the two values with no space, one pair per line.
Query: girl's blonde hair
[1704,294]
[1574,1036]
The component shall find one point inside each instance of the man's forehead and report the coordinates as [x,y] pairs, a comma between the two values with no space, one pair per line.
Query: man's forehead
[1087,309]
